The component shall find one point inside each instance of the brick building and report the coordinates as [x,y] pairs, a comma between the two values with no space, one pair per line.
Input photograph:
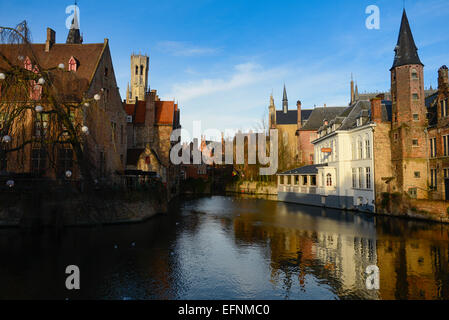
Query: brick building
[80,71]
[150,123]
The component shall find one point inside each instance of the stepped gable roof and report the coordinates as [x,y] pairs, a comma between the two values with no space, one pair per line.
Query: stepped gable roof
[312,169]
[319,115]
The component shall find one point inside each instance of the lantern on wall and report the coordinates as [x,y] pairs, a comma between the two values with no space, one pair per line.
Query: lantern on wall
[10,183]
[97,97]
[6,139]
[39,109]
[2,76]
[68,173]
[61,66]
[41,81]
[87,104]
[85,130]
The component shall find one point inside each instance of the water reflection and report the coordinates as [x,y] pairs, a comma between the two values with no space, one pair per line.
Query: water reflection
[232,248]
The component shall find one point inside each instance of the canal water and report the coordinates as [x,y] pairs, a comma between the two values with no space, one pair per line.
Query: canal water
[232,248]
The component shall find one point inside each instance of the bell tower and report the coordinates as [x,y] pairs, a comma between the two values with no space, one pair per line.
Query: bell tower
[139,78]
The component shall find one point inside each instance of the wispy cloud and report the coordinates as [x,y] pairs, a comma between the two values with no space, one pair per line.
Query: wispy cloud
[184,49]
[243,75]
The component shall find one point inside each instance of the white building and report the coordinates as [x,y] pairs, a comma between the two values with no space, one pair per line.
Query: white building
[343,173]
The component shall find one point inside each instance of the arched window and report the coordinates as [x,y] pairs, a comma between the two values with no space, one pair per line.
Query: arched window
[368,148]
[73,65]
[141,70]
[137,70]
[329,180]
[360,149]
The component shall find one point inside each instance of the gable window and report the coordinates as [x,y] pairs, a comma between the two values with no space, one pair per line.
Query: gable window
[73,64]
[329,180]
[433,147]
[106,72]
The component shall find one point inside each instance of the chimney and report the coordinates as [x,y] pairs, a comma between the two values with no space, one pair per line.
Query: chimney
[443,80]
[376,110]
[298,105]
[51,39]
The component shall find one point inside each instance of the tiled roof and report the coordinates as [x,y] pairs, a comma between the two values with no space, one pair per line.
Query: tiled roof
[165,112]
[137,111]
[88,56]
[312,169]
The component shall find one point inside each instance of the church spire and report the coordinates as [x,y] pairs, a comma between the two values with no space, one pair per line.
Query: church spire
[406,50]
[285,101]
[74,36]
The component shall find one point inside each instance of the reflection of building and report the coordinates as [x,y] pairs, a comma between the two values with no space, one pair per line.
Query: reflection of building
[414,268]
[336,253]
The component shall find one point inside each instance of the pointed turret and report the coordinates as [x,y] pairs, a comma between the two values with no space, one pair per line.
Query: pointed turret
[352,90]
[74,36]
[406,50]
[285,101]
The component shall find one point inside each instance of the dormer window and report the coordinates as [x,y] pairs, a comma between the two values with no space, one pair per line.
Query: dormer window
[73,64]
[27,64]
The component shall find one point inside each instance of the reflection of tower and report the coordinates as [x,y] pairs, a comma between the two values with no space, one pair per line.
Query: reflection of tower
[139,78]
[272,113]
[285,101]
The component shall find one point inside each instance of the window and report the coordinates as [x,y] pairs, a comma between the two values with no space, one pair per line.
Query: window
[368,149]
[417,174]
[102,168]
[129,119]
[433,179]
[137,70]
[446,146]
[415,142]
[354,178]
[41,125]
[38,160]
[329,180]
[304,180]
[413,193]
[368,178]
[3,160]
[360,154]
[415,117]
[313,180]
[106,72]
[360,178]
[73,65]
[414,74]
[446,173]
[296,180]
[415,96]
[396,136]
[433,147]
[65,161]
[444,108]
[353,151]
[141,70]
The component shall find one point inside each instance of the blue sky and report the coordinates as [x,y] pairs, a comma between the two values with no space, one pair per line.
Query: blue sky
[222,59]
